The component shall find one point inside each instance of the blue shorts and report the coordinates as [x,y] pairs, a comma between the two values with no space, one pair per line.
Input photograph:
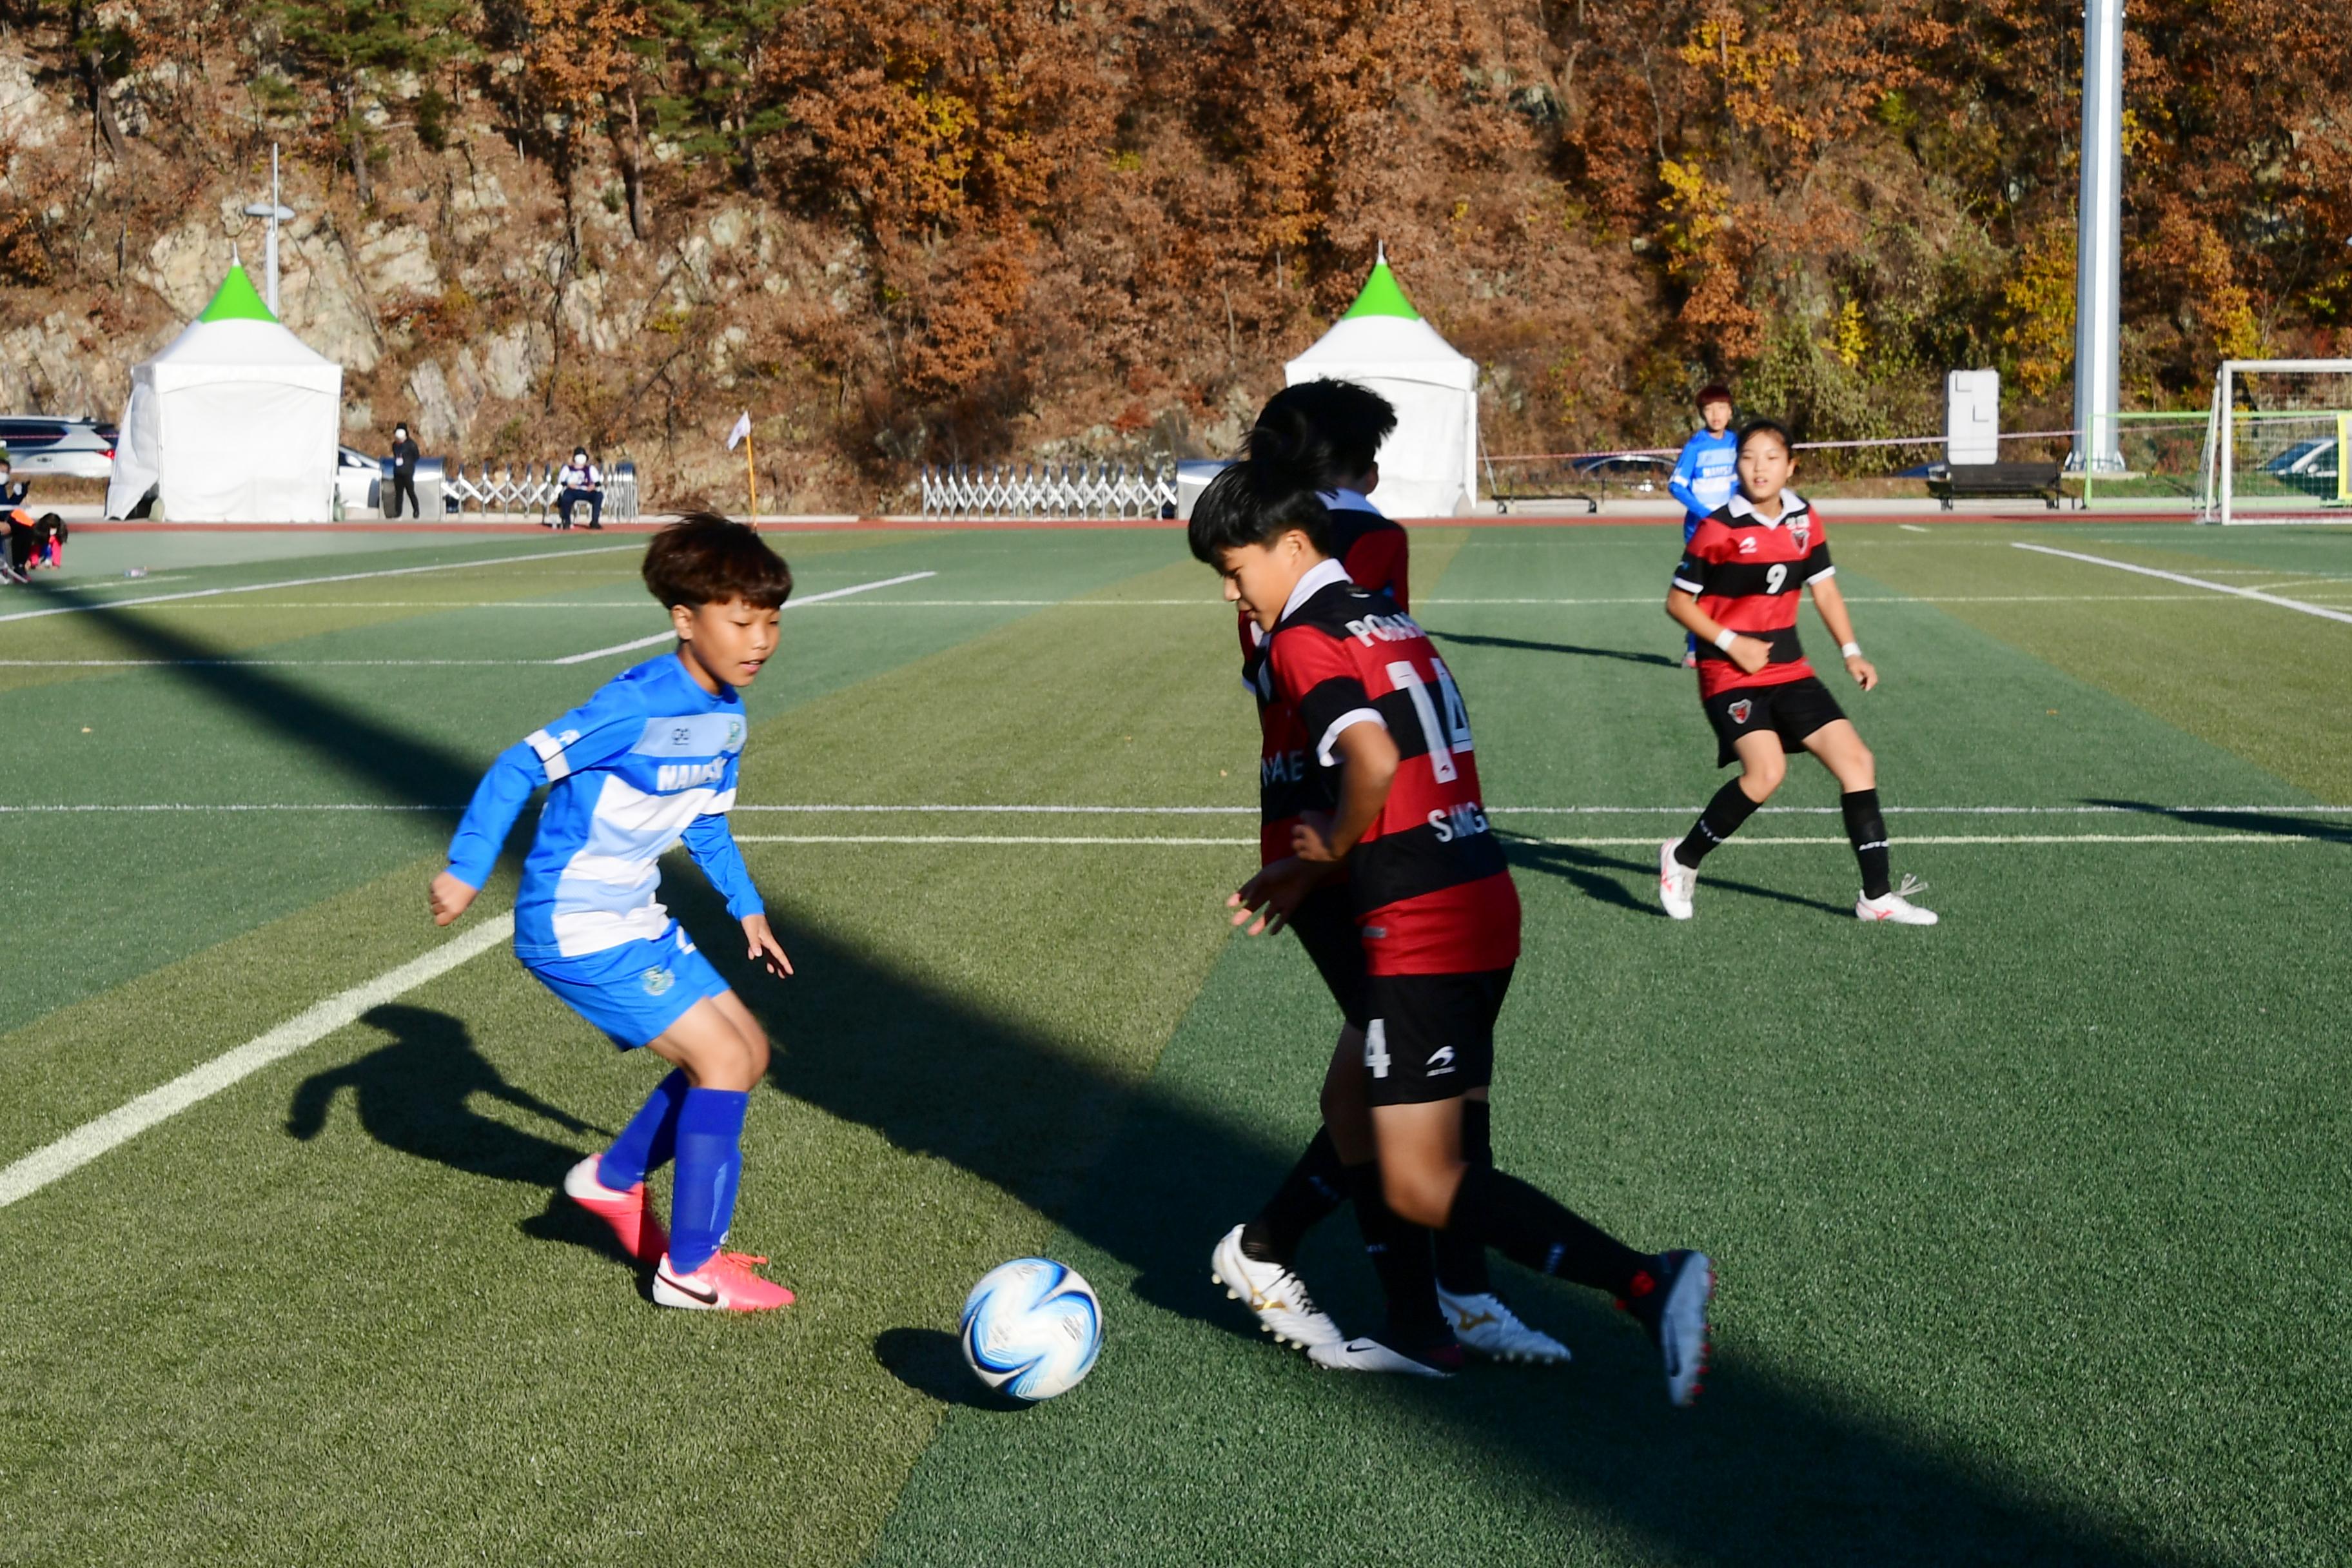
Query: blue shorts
[635,990]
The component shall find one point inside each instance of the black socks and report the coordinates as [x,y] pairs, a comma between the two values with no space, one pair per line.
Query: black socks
[1529,1228]
[1316,1185]
[1867,830]
[1401,1255]
[1462,1259]
[1719,821]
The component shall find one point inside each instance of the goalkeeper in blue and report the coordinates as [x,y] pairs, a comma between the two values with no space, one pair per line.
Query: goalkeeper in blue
[647,763]
[1705,475]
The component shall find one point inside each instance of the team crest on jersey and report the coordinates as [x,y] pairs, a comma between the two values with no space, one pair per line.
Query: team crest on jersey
[656,981]
[1740,710]
[734,731]
[1798,531]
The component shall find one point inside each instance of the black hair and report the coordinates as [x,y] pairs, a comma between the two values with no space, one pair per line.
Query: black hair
[705,559]
[1772,428]
[1286,461]
[1353,419]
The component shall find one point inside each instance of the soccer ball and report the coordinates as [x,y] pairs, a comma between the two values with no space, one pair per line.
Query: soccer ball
[1032,1328]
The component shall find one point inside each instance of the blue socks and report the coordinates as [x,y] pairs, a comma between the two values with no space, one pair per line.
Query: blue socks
[709,1159]
[649,1140]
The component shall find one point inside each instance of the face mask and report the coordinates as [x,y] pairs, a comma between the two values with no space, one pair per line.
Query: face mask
[581,458]
[401,434]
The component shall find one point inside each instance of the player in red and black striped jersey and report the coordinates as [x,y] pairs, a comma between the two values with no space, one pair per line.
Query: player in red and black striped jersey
[1256,1260]
[1736,590]
[1435,905]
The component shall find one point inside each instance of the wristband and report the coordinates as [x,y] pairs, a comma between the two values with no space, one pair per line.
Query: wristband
[1849,650]
[1723,638]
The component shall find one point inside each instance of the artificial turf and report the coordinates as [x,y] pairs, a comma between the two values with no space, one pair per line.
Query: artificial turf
[2031,1226]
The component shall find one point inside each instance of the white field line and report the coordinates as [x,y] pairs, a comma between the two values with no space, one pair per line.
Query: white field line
[1647,840]
[1911,528]
[118,1126]
[301,582]
[662,636]
[2322,611]
[1072,810]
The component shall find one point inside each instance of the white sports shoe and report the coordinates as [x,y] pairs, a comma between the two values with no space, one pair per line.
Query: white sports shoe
[1897,906]
[1277,1296]
[1485,1324]
[1370,1355]
[1675,881]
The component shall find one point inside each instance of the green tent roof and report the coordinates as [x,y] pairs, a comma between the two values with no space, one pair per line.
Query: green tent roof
[237,300]
[1381,295]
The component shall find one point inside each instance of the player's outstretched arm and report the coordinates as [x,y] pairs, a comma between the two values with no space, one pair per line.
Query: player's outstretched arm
[712,844]
[1832,605]
[482,832]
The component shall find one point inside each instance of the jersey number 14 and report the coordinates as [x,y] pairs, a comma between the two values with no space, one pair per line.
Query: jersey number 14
[1446,735]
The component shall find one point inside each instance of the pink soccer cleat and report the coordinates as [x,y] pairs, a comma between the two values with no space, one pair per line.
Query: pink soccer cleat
[627,1212]
[725,1284]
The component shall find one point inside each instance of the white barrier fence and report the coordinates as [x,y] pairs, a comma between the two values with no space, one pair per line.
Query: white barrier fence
[1067,490]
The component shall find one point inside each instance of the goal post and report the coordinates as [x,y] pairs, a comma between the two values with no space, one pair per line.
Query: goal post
[2275,442]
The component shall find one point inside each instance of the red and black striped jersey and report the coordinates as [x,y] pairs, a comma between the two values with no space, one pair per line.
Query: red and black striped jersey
[1432,891]
[1747,574]
[1376,554]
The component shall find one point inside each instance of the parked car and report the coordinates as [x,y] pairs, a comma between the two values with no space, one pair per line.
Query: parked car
[358,479]
[2307,466]
[67,448]
[1635,471]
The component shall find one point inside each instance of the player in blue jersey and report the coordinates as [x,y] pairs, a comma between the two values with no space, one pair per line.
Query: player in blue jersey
[646,764]
[1705,475]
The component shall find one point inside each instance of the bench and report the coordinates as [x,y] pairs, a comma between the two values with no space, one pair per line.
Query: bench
[1948,482]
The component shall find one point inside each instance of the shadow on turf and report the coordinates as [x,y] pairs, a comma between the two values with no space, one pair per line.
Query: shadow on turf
[2285,825]
[1525,645]
[1597,876]
[930,1362]
[414,1095]
[1768,1470]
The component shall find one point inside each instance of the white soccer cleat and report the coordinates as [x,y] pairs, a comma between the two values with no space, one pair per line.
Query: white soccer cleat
[1274,1293]
[1670,1303]
[1676,881]
[1896,907]
[1370,1355]
[1485,1324]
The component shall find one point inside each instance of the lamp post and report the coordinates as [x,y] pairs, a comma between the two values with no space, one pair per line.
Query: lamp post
[2098,244]
[276,214]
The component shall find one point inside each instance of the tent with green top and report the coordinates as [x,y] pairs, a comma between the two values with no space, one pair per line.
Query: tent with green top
[1429,468]
[234,421]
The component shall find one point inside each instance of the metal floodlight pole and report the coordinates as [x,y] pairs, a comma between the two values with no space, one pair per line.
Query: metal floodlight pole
[2099,248]
[276,214]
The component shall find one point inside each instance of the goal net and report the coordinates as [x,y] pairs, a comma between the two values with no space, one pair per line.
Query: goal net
[2275,442]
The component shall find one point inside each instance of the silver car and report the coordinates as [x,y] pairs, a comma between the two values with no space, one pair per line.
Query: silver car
[65,448]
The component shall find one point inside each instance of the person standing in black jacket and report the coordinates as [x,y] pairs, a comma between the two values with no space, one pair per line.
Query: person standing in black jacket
[403,473]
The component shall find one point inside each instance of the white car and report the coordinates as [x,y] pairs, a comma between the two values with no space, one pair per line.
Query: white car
[65,448]
[358,479]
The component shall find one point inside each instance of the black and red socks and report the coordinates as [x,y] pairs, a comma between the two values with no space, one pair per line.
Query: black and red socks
[1530,1228]
[1719,821]
[1400,1255]
[1867,830]
[1316,1185]
[1462,1259]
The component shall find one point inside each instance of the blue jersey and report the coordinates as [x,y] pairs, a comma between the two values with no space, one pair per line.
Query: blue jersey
[647,763]
[1704,476]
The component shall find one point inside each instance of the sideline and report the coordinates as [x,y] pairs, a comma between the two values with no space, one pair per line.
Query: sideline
[1649,840]
[2322,611]
[118,1126]
[306,582]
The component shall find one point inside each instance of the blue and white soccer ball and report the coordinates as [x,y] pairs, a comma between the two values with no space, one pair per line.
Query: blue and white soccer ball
[1032,1328]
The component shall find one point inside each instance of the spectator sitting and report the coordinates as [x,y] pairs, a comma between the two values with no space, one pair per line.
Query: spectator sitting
[582,480]
[12,489]
[33,542]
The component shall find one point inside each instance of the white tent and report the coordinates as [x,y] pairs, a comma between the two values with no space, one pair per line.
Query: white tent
[1429,468]
[235,421]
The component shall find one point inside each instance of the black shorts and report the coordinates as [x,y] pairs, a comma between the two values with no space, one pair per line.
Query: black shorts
[1794,709]
[1432,1035]
[1326,924]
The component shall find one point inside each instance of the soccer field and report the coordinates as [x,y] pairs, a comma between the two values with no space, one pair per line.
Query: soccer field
[2032,1227]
